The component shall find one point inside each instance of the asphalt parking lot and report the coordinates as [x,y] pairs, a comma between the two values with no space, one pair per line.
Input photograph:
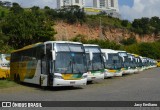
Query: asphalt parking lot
[143,86]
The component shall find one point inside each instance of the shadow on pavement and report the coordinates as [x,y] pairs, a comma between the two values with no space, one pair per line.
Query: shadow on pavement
[62,88]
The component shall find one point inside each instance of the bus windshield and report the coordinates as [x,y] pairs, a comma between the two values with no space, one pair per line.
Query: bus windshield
[139,62]
[67,62]
[63,47]
[96,63]
[5,60]
[5,57]
[113,62]
[70,58]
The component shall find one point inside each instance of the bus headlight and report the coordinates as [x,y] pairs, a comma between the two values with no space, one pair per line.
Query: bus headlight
[58,77]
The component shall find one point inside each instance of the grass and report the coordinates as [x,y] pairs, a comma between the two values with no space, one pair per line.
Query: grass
[6,84]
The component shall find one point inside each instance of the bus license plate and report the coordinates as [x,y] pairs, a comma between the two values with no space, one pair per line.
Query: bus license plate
[72,82]
[93,77]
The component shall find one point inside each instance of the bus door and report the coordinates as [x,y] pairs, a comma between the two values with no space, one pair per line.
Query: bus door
[47,65]
[44,75]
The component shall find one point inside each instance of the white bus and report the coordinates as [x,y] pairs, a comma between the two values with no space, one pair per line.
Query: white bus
[132,65]
[52,63]
[113,63]
[95,62]
[139,63]
[125,64]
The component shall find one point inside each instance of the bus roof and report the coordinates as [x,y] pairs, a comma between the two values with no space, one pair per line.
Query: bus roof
[136,55]
[120,51]
[28,47]
[40,43]
[62,42]
[90,45]
[108,51]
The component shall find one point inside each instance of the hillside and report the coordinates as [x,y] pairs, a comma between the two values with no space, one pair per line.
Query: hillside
[20,27]
[68,31]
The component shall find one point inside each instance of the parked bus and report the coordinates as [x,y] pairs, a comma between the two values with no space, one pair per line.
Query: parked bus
[95,62]
[143,63]
[132,66]
[139,63]
[125,64]
[152,63]
[113,63]
[158,63]
[52,63]
[4,66]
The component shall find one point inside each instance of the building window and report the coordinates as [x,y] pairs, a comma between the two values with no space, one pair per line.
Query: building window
[102,3]
[76,1]
[112,3]
[66,2]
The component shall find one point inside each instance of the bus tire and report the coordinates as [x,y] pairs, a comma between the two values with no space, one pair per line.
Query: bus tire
[89,82]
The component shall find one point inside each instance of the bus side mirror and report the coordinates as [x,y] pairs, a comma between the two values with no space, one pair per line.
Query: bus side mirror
[104,59]
[90,56]
[53,54]
[122,58]
[106,55]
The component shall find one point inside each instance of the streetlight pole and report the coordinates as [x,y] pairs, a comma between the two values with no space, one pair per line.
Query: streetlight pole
[100,29]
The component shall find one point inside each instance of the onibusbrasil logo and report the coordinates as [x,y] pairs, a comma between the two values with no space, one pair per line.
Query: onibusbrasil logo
[20,104]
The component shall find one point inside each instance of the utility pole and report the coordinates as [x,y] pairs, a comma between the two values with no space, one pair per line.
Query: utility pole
[100,30]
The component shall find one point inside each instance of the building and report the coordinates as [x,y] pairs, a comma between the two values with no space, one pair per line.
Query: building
[63,3]
[106,4]
[95,11]
[108,7]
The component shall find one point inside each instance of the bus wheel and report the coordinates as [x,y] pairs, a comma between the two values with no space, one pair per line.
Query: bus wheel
[89,82]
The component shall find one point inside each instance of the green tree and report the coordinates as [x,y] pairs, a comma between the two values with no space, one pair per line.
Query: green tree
[27,28]
[16,8]
[125,23]
[129,41]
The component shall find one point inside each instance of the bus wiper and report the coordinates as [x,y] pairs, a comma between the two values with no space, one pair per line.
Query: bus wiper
[76,66]
[69,65]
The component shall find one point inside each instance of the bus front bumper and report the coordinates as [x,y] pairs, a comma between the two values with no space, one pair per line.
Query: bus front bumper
[108,74]
[119,73]
[62,82]
[95,76]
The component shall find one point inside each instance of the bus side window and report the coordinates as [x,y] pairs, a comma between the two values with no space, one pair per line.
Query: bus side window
[40,52]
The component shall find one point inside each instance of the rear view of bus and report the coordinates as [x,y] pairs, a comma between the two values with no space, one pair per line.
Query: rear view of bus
[95,62]
[52,63]
[4,66]
[113,63]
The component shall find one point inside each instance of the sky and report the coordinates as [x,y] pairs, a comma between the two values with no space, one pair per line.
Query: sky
[129,9]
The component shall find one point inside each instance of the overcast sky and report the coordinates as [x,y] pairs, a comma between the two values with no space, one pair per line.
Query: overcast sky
[129,9]
[141,8]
